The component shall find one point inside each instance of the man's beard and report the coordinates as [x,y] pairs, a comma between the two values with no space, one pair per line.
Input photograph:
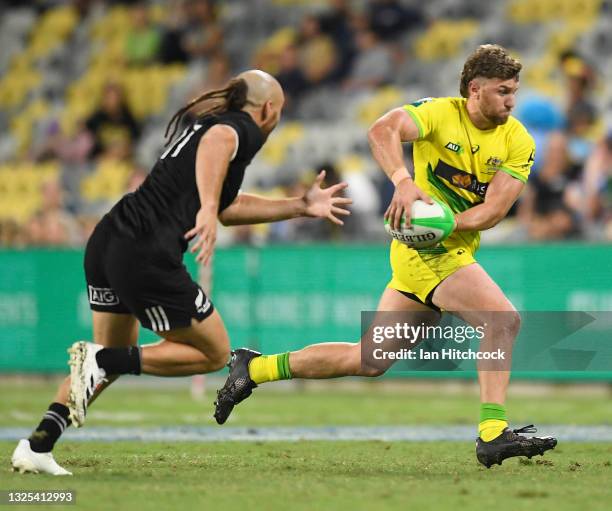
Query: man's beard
[498,120]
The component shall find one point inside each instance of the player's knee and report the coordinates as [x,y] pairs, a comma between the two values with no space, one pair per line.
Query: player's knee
[513,323]
[219,359]
[372,370]
[365,365]
[508,325]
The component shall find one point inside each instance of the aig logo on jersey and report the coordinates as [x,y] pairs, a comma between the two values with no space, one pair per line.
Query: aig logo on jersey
[102,296]
[201,305]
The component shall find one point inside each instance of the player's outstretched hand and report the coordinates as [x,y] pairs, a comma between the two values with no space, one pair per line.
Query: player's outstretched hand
[406,192]
[326,202]
[206,230]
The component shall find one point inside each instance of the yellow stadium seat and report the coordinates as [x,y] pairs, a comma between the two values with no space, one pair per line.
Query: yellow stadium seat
[52,29]
[351,163]
[275,151]
[384,100]
[530,11]
[21,193]
[108,182]
[116,21]
[444,39]
[158,13]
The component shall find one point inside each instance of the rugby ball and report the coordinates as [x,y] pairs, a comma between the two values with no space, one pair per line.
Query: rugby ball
[430,224]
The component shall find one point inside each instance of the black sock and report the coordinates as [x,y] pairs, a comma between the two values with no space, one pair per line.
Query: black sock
[54,422]
[119,360]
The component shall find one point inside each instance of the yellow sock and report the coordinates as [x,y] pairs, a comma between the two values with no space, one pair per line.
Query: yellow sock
[269,368]
[490,429]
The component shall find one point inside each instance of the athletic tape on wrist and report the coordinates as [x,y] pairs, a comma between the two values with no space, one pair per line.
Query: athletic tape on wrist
[399,175]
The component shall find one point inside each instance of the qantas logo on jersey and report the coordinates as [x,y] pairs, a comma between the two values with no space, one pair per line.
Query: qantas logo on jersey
[461,179]
[102,296]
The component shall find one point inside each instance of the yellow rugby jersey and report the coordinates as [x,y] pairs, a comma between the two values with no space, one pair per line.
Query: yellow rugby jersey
[454,161]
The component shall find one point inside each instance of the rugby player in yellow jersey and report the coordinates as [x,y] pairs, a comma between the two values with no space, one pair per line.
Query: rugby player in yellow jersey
[471,154]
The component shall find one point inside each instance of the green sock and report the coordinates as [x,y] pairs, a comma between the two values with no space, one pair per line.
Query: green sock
[492,411]
[282,363]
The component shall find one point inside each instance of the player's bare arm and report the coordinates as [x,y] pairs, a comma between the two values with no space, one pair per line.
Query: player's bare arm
[386,136]
[215,151]
[317,202]
[501,195]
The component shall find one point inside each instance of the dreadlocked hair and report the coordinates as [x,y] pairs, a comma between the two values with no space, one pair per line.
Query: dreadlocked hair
[232,97]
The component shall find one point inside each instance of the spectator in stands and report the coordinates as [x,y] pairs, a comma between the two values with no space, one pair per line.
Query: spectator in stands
[118,150]
[373,65]
[70,149]
[548,206]
[82,7]
[218,71]
[172,48]
[202,35]
[113,122]
[292,79]
[143,40]
[192,31]
[337,23]
[592,198]
[365,222]
[543,212]
[53,225]
[389,19]
[579,78]
[579,141]
[11,234]
[318,55]
[542,118]
[297,231]
[286,231]
[217,74]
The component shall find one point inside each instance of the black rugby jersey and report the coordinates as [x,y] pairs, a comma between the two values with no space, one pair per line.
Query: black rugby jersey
[166,204]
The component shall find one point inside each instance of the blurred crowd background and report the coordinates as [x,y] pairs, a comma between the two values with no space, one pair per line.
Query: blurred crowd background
[87,87]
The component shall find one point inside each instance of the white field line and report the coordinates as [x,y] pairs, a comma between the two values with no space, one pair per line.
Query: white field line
[432,433]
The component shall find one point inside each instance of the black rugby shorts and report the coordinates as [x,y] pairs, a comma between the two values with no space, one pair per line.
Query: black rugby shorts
[141,277]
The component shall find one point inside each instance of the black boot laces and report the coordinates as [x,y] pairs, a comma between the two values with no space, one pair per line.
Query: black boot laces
[525,429]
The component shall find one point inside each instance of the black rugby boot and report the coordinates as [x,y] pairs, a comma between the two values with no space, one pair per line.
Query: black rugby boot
[238,385]
[510,443]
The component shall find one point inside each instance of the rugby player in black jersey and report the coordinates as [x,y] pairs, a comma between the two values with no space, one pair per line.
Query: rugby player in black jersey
[133,260]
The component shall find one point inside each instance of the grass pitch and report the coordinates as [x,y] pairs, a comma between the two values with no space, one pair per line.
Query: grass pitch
[338,475]
[370,403]
[323,475]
